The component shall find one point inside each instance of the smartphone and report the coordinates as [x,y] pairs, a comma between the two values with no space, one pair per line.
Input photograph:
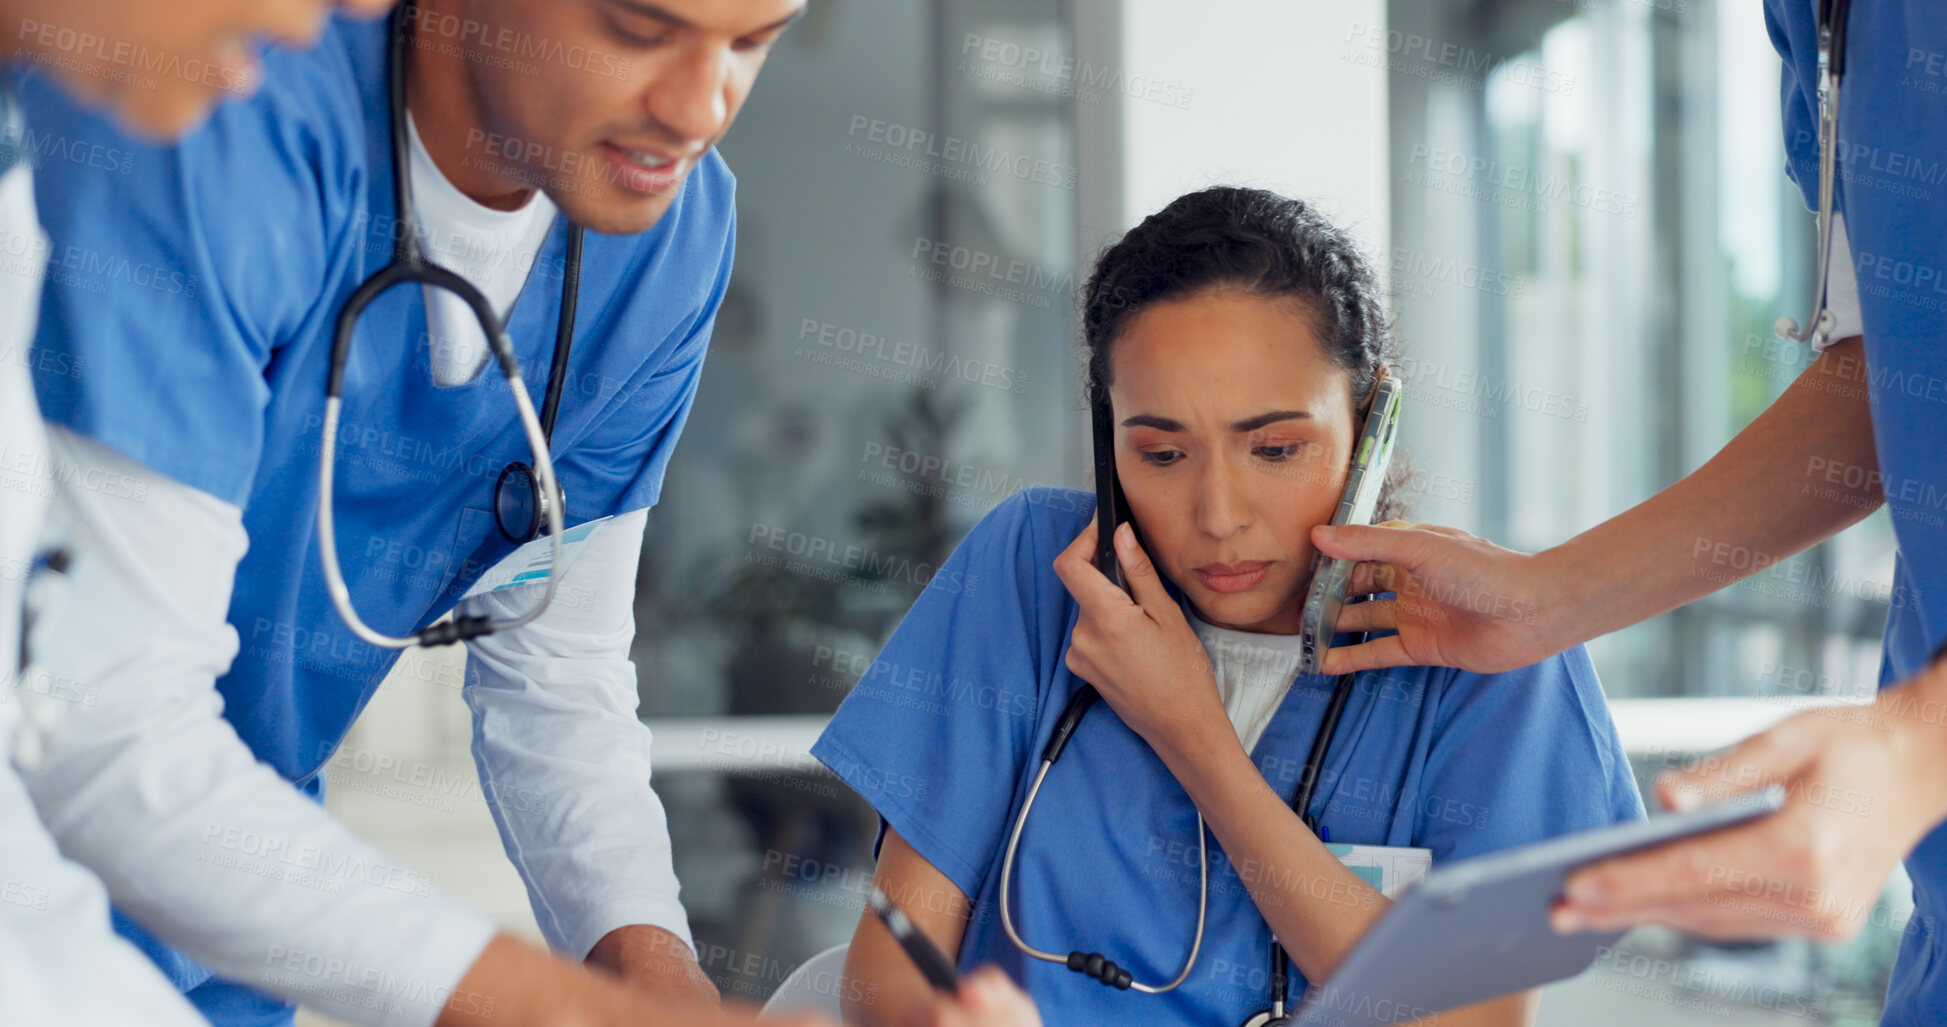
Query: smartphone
[933,964]
[1111,508]
[1370,458]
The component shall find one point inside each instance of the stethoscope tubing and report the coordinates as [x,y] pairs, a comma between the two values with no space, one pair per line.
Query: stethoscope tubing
[1069,960]
[409,267]
[1833,18]
[1065,728]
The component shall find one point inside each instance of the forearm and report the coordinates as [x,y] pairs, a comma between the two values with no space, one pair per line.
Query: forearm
[1316,907]
[1803,471]
[881,987]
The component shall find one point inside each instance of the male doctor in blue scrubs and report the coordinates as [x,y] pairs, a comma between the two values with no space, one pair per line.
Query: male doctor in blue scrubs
[192,308]
[92,778]
[1864,424]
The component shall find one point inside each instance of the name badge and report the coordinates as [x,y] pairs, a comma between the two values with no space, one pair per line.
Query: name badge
[1388,868]
[533,562]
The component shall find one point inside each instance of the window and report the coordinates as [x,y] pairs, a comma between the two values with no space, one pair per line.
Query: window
[1592,236]
[892,361]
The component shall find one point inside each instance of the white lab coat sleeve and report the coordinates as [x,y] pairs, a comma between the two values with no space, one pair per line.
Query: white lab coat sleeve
[564,763]
[144,782]
[1842,288]
[59,961]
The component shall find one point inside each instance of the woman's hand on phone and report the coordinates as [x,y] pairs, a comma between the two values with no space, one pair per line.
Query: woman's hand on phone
[1138,649]
[1459,601]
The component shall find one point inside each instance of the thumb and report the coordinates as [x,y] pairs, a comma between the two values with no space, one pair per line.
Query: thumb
[1748,765]
[993,999]
[1395,543]
[985,988]
[1145,587]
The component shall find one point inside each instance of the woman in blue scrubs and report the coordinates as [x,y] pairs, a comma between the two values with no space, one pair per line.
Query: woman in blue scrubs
[1236,333]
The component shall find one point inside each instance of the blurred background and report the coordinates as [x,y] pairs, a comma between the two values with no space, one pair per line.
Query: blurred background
[1581,212]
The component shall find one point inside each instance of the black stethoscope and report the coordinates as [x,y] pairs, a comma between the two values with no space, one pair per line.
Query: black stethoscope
[527,498]
[1832,19]
[1094,964]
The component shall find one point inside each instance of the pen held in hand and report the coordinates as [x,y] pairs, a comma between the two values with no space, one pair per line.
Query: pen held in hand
[933,965]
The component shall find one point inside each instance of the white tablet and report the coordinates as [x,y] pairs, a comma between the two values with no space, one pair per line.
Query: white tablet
[1478,929]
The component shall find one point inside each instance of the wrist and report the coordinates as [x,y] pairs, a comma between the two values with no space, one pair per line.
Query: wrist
[651,958]
[1206,759]
[1565,583]
[1919,712]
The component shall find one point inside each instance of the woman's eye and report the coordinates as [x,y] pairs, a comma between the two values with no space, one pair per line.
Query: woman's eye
[1162,458]
[1277,453]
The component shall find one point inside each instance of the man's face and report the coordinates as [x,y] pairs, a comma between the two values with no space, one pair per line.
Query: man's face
[161,65]
[604,105]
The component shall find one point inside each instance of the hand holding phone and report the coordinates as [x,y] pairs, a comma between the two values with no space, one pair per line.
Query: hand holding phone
[1371,457]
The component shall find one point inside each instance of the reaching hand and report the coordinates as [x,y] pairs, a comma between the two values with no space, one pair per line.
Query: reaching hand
[1460,601]
[1863,786]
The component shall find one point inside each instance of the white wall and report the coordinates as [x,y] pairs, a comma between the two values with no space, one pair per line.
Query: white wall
[1275,98]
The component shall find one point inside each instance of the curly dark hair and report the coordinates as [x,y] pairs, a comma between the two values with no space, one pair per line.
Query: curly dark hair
[1264,244]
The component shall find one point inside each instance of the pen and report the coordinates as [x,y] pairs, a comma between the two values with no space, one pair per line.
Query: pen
[934,966]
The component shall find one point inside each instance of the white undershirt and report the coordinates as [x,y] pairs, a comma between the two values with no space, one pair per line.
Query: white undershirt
[1842,287]
[493,249]
[1254,671]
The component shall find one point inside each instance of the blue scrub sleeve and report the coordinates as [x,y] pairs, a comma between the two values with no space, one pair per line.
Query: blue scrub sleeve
[168,287]
[1789,22]
[936,734]
[624,457]
[1522,756]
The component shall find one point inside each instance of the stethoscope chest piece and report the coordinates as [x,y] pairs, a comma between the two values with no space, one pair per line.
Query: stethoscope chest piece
[521,506]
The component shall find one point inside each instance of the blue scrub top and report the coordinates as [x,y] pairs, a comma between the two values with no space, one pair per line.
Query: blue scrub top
[942,733]
[187,323]
[1893,189]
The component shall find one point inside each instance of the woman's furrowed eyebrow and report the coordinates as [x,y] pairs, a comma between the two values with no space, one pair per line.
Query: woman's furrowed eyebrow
[1254,423]
[650,10]
[1247,424]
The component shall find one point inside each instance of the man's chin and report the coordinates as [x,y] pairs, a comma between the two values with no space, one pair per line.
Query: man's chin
[614,216]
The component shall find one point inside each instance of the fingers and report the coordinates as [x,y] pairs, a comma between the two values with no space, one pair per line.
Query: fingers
[994,1001]
[1729,884]
[1082,547]
[1380,652]
[1405,546]
[1371,615]
[1751,764]
[1368,578]
[1621,892]
[1090,587]
[1137,569]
